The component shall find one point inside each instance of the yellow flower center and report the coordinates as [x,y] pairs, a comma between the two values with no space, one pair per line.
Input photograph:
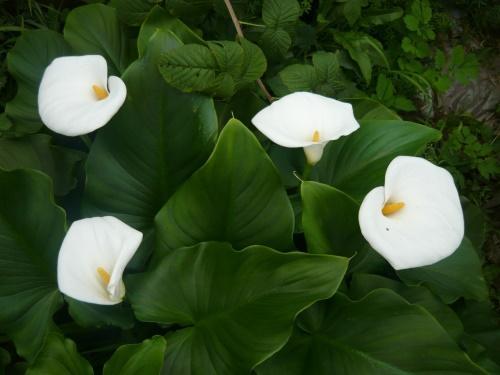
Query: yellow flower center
[100,92]
[390,208]
[104,275]
[315,137]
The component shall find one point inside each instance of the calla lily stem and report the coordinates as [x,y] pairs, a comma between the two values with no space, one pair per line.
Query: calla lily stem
[307,171]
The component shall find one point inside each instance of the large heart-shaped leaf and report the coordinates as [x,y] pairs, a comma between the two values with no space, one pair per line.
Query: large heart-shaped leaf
[237,196]
[34,50]
[149,148]
[459,275]
[237,307]
[356,164]
[36,152]
[380,334]
[95,29]
[59,356]
[31,231]
[145,358]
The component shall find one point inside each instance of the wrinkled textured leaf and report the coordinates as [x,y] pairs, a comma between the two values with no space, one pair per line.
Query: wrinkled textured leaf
[242,308]
[237,196]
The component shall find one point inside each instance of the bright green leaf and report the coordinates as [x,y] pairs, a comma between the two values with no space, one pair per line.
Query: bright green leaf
[241,309]
[137,359]
[237,196]
[356,164]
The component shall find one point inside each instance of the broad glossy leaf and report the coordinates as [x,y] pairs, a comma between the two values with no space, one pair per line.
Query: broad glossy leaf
[26,61]
[149,148]
[330,220]
[60,356]
[237,196]
[236,307]
[459,275]
[369,109]
[356,164]
[31,230]
[362,284]
[95,29]
[91,315]
[137,359]
[37,152]
[380,334]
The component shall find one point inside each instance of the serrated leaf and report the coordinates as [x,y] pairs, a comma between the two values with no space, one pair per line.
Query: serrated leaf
[280,13]
[242,308]
[237,196]
[254,63]
[276,42]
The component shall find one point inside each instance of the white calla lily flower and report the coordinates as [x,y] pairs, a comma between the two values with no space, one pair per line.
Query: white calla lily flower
[415,219]
[307,120]
[76,97]
[92,259]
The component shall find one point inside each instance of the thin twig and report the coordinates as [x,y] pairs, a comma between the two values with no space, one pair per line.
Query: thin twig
[239,32]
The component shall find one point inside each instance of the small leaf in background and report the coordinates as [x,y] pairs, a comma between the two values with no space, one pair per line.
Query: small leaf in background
[33,52]
[380,334]
[278,16]
[59,356]
[330,220]
[356,164]
[380,16]
[95,30]
[237,196]
[145,358]
[236,308]
[37,152]
[457,276]
[352,10]
[362,284]
[31,231]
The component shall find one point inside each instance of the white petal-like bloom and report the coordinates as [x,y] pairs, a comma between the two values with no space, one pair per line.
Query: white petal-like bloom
[76,97]
[415,219]
[92,259]
[307,120]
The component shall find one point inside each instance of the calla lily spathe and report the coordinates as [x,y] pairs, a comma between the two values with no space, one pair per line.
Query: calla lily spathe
[76,97]
[92,259]
[307,120]
[415,219]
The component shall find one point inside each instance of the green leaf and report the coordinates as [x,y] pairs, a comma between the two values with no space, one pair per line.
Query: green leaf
[95,29]
[352,10]
[330,220]
[457,276]
[356,164]
[276,42]
[475,223]
[280,13]
[148,149]
[380,334]
[137,359]
[362,284]
[385,89]
[254,63]
[59,356]
[369,109]
[26,61]
[37,152]
[380,16]
[242,308]
[133,12]
[31,230]
[4,360]
[237,196]
[299,77]
[411,22]
[422,10]
[91,315]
